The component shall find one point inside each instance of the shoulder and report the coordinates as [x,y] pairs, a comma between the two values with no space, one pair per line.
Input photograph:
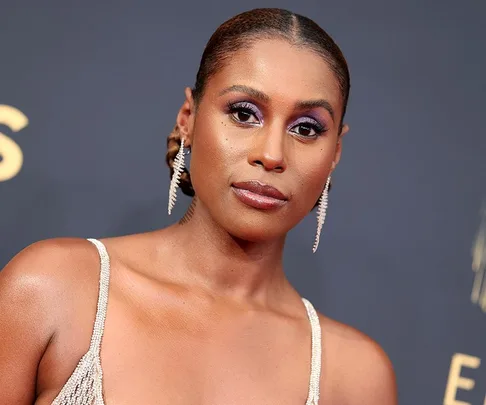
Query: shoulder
[41,276]
[363,371]
[46,262]
[42,289]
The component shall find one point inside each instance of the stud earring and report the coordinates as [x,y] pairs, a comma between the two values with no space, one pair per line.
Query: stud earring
[321,213]
[178,168]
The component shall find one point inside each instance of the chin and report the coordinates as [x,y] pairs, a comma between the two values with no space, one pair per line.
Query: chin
[254,228]
[251,224]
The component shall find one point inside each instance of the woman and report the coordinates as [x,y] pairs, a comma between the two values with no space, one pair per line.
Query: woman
[201,312]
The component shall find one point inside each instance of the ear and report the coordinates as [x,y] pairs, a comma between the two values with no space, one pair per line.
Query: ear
[337,154]
[185,117]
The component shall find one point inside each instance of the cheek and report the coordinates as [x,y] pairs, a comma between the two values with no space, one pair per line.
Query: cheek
[313,172]
[211,155]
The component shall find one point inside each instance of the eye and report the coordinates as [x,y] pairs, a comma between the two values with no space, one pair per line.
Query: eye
[243,115]
[305,130]
[308,128]
[245,112]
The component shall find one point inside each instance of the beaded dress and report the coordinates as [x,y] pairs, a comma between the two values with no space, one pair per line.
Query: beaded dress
[85,385]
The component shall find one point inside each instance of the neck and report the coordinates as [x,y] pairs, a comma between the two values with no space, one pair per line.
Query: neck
[226,265]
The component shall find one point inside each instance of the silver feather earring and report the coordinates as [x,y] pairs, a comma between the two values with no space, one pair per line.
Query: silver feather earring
[321,213]
[176,176]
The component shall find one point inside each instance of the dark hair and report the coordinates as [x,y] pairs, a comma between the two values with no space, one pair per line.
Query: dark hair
[241,31]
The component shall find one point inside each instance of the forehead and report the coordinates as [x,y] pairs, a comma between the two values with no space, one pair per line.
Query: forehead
[282,71]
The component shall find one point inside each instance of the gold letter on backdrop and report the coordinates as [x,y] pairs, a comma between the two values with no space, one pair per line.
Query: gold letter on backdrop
[10,152]
[455,381]
[478,295]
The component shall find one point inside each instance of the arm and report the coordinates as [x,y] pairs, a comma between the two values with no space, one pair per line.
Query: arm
[357,371]
[371,380]
[29,302]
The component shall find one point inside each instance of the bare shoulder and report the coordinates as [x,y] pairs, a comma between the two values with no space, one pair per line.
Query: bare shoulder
[48,279]
[46,274]
[363,371]
[44,264]
[42,286]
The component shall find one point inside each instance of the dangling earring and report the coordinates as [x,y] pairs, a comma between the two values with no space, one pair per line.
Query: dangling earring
[178,168]
[321,213]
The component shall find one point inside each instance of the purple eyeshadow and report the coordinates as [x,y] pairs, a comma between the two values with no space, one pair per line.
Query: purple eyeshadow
[308,120]
[252,108]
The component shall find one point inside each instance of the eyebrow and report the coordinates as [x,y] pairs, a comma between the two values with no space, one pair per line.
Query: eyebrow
[259,95]
[309,104]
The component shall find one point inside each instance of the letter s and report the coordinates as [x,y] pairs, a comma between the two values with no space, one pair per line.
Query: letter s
[10,152]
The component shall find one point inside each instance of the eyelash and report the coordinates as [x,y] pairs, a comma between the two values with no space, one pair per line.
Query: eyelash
[249,108]
[245,107]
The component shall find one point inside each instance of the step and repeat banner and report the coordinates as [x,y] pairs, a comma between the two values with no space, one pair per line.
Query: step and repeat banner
[89,92]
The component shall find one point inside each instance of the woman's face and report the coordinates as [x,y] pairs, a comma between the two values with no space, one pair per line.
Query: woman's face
[264,138]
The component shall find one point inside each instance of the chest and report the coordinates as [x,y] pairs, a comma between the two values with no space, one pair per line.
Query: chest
[190,357]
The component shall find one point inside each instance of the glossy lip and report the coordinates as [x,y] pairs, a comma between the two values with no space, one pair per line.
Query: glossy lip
[259,195]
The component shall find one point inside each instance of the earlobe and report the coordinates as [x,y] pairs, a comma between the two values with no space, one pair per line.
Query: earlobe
[185,117]
[344,130]
[337,155]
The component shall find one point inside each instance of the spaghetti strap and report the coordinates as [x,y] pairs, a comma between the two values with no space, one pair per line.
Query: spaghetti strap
[102,306]
[315,374]
[85,385]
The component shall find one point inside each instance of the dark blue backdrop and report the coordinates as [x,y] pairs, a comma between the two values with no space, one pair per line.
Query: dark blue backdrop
[90,91]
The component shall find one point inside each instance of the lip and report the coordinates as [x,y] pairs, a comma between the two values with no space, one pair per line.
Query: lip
[259,195]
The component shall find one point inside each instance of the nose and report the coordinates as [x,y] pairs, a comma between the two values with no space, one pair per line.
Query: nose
[268,150]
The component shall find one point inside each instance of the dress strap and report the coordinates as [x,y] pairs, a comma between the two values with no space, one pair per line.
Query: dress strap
[102,305]
[315,374]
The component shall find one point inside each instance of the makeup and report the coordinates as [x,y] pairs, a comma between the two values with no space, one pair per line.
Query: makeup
[259,195]
[310,127]
[241,109]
